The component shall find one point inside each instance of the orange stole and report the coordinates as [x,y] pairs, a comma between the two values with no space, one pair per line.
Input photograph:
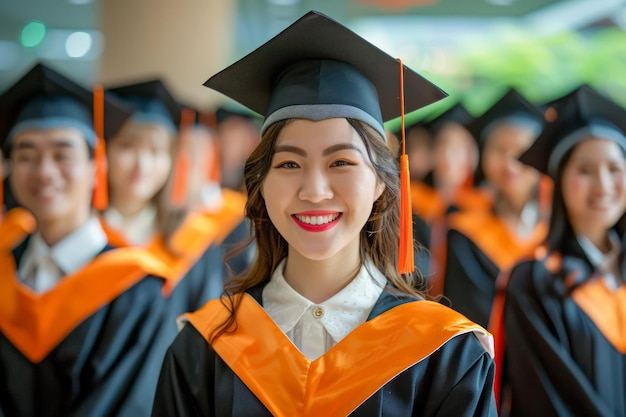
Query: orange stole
[14,226]
[494,238]
[428,204]
[36,323]
[199,231]
[289,384]
[606,308]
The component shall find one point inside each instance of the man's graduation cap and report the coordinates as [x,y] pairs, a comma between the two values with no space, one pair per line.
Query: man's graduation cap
[318,69]
[45,99]
[581,114]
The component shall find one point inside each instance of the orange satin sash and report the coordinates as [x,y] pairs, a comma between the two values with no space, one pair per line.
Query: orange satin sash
[289,384]
[606,308]
[14,226]
[494,238]
[36,323]
[429,205]
[199,231]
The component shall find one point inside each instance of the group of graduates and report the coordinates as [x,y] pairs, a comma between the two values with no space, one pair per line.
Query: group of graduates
[97,263]
[518,211]
[521,209]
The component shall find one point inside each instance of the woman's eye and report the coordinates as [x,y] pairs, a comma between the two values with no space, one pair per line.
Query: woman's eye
[340,163]
[288,165]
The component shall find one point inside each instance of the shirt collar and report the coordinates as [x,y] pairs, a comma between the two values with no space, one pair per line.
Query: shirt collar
[604,262]
[343,312]
[137,229]
[72,252]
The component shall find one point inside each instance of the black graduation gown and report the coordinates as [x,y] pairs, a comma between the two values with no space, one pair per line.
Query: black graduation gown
[479,247]
[453,380]
[565,340]
[108,362]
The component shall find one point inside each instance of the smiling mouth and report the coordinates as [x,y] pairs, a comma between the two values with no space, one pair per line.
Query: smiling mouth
[317,220]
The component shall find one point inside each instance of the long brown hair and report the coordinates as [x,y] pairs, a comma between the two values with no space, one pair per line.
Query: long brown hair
[379,237]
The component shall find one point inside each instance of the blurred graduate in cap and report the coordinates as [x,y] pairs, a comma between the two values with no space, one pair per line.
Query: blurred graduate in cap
[564,311]
[447,187]
[483,243]
[238,133]
[327,322]
[153,184]
[83,325]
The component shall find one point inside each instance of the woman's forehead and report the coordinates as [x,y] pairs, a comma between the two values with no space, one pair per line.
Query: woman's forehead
[316,136]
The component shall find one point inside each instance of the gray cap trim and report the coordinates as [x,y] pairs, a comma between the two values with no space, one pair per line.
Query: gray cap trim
[319,112]
[54,123]
[602,131]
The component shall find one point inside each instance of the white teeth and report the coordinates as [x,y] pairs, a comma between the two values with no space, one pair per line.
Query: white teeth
[315,220]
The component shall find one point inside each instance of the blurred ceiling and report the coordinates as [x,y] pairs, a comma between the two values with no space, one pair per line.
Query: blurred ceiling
[260,19]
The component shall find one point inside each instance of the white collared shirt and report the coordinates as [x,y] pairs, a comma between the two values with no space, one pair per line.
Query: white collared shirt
[137,229]
[315,328]
[606,263]
[42,267]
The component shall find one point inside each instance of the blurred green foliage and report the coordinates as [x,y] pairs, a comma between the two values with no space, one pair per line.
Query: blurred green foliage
[540,67]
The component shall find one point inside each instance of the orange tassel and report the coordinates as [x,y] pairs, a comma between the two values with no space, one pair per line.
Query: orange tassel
[406,263]
[215,171]
[100,193]
[1,190]
[180,172]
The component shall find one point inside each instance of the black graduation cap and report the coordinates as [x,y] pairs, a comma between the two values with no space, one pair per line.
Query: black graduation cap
[43,99]
[578,115]
[457,113]
[152,102]
[512,108]
[318,68]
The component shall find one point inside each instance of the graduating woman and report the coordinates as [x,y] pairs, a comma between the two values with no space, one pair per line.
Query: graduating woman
[564,311]
[151,170]
[482,244]
[327,322]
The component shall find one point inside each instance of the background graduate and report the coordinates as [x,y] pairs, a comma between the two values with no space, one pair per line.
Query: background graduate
[481,244]
[327,322]
[84,326]
[564,311]
[149,176]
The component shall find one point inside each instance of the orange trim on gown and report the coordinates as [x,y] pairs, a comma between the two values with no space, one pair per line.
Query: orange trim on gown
[35,323]
[289,384]
[14,226]
[199,230]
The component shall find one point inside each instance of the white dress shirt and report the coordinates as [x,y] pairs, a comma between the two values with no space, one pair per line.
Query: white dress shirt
[315,328]
[42,266]
[137,229]
[606,263]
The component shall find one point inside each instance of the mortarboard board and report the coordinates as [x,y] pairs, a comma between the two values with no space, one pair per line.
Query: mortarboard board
[581,114]
[43,98]
[318,69]
[512,108]
[457,113]
[152,103]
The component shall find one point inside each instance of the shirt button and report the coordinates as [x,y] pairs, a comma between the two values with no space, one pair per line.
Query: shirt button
[318,312]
